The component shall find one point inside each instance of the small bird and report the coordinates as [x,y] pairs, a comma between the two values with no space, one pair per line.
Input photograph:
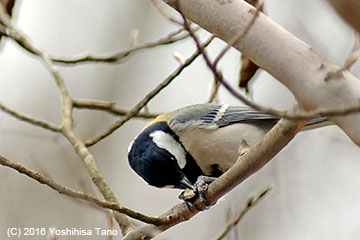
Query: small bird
[192,146]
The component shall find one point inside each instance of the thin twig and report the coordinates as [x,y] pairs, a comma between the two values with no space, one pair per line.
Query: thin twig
[328,112]
[30,46]
[120,56]
[212,67]
[108,107]
[29,119]
[66,126]
[250,203]
[238,36]
[77,194]
[135,110]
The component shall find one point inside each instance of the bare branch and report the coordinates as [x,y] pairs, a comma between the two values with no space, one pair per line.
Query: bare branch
[249,68]
[8,6]
[29,119]
[251,202]
[108,107]
[77,194]
[119,57]
[66,128]
[238,36]
[217,74]
[135,110]
[301,115]
[299,68]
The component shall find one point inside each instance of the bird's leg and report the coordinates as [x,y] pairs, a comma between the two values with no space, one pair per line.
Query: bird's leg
[199,190]
[201,185]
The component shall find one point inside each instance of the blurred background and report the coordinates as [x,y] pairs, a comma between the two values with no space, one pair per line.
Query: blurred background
[315,179]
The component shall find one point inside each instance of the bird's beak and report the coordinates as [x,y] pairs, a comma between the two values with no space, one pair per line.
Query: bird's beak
[185,183]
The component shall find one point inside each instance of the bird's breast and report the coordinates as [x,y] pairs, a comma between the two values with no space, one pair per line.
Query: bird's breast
[219,147]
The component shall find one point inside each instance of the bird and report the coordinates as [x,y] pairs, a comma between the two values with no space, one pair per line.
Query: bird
[190,147]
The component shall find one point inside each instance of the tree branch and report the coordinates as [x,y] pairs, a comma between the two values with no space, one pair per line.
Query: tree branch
[300,115]
[135,110]
[250,203]
[29,119]
[121,56]
[76,194]
[312,80]
[66,126]
[108,107]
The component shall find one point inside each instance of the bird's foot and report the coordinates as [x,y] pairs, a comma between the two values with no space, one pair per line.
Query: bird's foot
[201,186]
[200,189]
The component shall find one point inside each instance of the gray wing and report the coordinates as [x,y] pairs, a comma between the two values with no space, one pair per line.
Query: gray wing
[240,114]
[221,115]
[217,115]
[237,114]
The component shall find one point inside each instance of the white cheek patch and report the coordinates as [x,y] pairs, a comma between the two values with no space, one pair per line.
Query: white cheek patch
[167,142]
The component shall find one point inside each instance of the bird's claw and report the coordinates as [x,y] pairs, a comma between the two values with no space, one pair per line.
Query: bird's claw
[201,186]
[200,189]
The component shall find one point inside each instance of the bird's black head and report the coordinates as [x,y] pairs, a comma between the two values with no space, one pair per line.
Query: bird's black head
[159,158]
